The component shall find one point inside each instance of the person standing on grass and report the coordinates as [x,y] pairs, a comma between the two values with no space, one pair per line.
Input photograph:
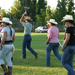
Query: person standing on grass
[69,45]
[27,36]
[52,41]
[6,46]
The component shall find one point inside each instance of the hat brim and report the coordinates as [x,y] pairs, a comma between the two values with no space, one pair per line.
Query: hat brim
[64,20]
[29,19]
[52,22]
[0,21]
[5,22]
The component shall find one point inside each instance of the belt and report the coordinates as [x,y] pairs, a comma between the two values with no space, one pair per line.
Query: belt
[27,34]
[8,42]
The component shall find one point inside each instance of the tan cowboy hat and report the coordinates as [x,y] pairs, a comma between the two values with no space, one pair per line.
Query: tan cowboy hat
[66,18]
[5,20]
[28,18]
[52,21]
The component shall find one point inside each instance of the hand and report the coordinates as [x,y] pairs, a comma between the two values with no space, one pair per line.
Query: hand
[46,43]
[62,50]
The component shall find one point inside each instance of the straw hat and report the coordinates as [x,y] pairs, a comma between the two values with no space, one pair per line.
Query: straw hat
[28,18]
[5,20]
[52,21]
[66,18]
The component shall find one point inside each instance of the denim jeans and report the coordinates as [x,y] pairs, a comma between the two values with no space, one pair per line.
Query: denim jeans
[67,59]
[27,42]
[7,50]
[54,47]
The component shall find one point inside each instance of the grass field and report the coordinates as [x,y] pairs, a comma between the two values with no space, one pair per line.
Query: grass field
[32,66]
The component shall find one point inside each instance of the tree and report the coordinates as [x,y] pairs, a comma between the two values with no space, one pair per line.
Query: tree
[48,13]
[3,12]
[70,6]
[15,9]
[60,10]
[41,10]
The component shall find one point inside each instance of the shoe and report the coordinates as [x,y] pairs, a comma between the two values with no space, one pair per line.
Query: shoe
[35,56]
[22,58]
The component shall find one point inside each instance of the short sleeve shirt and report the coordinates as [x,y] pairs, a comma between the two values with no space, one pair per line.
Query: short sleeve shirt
[71,31]
[27,28]
[7,30]
[53,34]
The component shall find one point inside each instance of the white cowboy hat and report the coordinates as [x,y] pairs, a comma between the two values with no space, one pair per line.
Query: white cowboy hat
[52,21]
[10,22]
[66,18]
[5,20]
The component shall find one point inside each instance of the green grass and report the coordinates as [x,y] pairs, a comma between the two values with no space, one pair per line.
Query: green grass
[32,66]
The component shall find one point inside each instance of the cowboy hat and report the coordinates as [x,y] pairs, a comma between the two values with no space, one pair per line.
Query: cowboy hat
[10,22]
[66,18]
[5,20]
[28,18]
[52,21]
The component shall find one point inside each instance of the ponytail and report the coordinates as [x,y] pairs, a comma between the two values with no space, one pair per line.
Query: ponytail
[10,30]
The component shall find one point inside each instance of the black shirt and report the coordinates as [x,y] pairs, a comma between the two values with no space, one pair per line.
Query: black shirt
[71,31]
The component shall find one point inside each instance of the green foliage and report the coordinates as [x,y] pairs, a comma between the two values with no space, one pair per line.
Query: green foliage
[60,10]
[41,18]
[48,13]
[3,13]
[15,9]
[70,6]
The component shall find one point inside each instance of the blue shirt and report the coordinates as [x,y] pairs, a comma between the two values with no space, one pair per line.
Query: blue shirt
[27,28]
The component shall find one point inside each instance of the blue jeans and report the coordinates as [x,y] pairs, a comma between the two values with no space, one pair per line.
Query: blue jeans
[54,47]
[7,50]
[27,42]
[67,59]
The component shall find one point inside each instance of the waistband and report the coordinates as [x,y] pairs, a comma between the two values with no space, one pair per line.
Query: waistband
[26,35]
[8,42]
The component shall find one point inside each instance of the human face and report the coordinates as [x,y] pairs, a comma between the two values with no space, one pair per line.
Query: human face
[67,23]
[3,24]
[50,24]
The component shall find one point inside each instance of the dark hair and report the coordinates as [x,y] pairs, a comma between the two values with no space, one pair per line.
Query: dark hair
[10,28]
[71,21]
[28,20]
[52,23]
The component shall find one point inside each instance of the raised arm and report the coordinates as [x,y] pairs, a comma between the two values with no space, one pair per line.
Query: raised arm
[21,19]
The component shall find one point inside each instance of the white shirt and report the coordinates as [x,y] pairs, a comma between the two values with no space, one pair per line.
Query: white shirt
[7,30]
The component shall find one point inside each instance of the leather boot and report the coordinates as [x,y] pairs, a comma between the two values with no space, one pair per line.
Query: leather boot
[4,69]
[35,56]
[9,70]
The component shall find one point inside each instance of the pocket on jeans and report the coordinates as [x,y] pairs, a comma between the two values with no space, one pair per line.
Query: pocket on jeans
[71,51]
